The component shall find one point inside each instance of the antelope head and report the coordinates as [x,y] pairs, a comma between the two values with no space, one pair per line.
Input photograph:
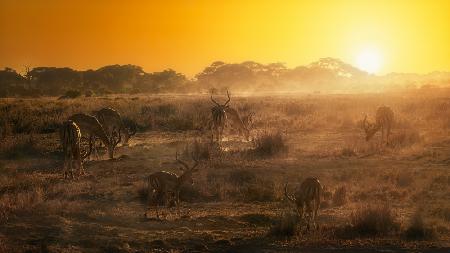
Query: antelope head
[221,107]
[129,130]
[248,124]
[115,139]
[186,177]
[369,128]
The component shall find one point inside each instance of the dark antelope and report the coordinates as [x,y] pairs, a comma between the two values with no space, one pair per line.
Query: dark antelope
[70,138]
[384,120]
[91,129]
[163,184]
[219,117]
[307,200]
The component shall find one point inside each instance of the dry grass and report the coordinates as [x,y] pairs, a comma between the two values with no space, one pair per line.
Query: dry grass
[238,190]
[418,230]
[373,220]
[269,144]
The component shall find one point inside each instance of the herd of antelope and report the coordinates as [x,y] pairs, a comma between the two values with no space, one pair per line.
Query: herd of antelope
[164,187]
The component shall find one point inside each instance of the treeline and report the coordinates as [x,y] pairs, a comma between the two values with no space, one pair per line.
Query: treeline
[54,81]
[326,74]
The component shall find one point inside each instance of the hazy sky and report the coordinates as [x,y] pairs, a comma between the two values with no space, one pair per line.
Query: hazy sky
[403,36]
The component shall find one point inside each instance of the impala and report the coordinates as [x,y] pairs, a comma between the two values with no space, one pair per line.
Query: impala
[384,120]
[112,122]
[241,124]
[306,200]
[163,184]
[90,129]
[219,117]
[70,138]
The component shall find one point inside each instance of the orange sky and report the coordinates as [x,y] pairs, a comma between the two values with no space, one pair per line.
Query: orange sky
[408,36]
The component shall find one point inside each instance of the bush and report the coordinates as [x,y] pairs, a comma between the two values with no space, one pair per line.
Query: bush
[285,226]
[88,93]
[374,220]
[404,139]
[269,144]
[71,94]
[340,196]
[20,147]
[417,229]
[404,179]
[142,191]
[241,177]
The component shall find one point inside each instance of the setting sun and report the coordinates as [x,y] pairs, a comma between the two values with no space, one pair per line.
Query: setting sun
[369,60]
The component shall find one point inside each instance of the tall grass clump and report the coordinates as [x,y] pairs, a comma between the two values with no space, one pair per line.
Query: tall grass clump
[417,229]
[269,145]
[374,220]
[19,147]
[340,196]
[285,226]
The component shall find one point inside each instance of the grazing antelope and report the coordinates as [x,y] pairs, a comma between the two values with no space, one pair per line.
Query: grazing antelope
[90,128]
[112,122]
[70,138]
[306,200]
[219,117]
[163,184]
[241,124]
[384,120]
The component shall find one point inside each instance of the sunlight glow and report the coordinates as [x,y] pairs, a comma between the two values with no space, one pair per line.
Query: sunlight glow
[369,60]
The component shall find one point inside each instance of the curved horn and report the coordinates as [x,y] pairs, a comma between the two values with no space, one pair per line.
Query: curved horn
[87,153]
[195,160]
[181,162]
[133,128]
[286,194]
[118,139]
[214,101]
[365,125]
[226,103]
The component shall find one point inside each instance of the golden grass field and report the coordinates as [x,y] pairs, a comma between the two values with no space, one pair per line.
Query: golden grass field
[376,197]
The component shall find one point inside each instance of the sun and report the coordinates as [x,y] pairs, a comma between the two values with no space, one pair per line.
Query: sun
[369,60]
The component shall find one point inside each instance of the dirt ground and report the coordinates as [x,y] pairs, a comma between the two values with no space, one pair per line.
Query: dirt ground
[106,210]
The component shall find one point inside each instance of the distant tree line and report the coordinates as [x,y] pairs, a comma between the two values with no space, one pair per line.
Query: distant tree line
[325,74]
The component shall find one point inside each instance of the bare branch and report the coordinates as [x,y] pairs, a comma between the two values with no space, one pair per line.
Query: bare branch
[181,162]
[226,103]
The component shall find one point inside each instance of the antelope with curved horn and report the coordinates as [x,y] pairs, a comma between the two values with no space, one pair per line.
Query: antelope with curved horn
[70,138]
[90,129]
[306,200]
[241,124]
[112,121]
[219,117]
[384,120]
[163,184]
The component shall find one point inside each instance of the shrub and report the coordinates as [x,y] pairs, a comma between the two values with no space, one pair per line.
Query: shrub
[269,144]
[404,179]
[348,152]
[374,220]
[241,177]
[403,139]
[71,94]
[285,226]
[142,191]
[340,196]
[20,147]
[417,230]
[202,150]
[261,191]
[88,93]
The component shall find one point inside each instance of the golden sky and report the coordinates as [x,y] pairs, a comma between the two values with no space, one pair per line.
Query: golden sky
[405,36]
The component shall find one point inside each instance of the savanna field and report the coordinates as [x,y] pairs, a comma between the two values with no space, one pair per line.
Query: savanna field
[375,196]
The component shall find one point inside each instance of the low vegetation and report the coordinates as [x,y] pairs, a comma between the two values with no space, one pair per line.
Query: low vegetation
[237,195]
